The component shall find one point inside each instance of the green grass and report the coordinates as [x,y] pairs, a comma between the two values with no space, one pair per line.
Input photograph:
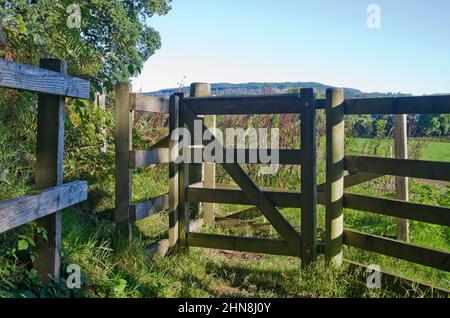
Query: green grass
[111,269]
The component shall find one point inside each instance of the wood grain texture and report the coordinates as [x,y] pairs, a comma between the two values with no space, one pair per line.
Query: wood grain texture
[245,105]
[399,105]
[225,194]
[123,142]
[421,169]
[40,80]
[144,209]
[151,104]
[397,208]
[308,177]
[243,244]
[401,250]
[335,132]
[49,171]
[19,211]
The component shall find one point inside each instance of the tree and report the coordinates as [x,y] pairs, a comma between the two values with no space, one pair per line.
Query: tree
[433,125]
[104,40]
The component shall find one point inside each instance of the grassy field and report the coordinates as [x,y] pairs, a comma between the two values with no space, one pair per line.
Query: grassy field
[110,269]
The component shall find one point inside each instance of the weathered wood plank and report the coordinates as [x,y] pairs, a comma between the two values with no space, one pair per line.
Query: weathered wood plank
[398,209]
[145,158]
[49,171]
[234,195]
[41,80]
[401,250]
[144,209]
[228,194]
[123,173]
[334,219]
[399,167]
[151,104]
[243,244]
[245,105]
[399,105]
[398,284]
[19,211]
[308,178]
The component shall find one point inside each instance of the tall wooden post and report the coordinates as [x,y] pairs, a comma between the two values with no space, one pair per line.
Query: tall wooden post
[174,113]
[49,171]
[334,218]
[207,171]
[124,120]
[308,177]
[401,183]
[183,183]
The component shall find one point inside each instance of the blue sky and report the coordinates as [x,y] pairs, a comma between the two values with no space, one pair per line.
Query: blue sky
[325,41]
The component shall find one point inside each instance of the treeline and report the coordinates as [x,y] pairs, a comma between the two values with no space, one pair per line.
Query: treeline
[367,126]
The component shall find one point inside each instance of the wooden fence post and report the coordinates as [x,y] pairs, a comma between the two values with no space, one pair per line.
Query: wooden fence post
[49,171]
[174,113]
[183,183]
[334,219]
[207,173]
[401,183]
[124,120]
[308,177]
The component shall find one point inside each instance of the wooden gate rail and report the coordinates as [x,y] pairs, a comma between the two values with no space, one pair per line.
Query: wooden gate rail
[53,85]
[399,209]
[241,244]
[405,251]
[127,159]
[421,169]
[253,105]
[144,209]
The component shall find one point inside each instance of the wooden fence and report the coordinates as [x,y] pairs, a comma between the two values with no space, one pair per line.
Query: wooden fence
[342,172]
[53,85]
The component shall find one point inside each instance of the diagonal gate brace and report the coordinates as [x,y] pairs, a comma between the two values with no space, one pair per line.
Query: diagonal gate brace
[255,195]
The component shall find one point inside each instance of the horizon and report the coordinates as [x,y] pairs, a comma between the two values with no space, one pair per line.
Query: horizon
[200,43]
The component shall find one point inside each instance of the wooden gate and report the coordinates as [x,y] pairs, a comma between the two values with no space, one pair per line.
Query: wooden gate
[185,111]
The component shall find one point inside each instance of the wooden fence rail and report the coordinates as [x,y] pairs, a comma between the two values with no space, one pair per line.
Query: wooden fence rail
[53,85]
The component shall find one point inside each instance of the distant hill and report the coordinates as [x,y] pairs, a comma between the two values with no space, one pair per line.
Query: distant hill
[227,89]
